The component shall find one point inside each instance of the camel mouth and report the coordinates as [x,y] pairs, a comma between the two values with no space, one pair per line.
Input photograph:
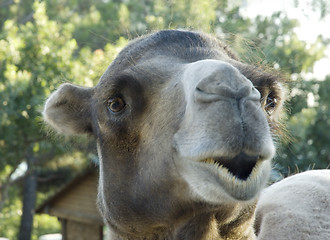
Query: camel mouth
[241,166]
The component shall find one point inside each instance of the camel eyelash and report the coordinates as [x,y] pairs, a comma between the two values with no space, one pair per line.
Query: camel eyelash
[269,101]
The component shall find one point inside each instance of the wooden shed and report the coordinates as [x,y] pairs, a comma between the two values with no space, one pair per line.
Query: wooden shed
[75,207]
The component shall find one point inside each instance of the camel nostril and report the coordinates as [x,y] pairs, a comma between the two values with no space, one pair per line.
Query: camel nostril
[205,97]
[225,84]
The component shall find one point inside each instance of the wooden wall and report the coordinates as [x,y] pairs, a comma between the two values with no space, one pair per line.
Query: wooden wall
[74,230]
[75,206]
[78,202]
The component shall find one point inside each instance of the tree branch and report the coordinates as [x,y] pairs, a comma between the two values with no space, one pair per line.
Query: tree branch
[6,4]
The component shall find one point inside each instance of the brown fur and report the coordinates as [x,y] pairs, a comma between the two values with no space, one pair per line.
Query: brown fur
[153,181]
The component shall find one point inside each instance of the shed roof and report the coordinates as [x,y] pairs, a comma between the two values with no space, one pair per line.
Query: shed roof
[76,200]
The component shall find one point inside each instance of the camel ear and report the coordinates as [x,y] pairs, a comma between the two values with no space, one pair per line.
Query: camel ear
[68,110]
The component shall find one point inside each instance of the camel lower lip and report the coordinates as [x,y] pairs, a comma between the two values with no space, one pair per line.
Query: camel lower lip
[221,179]
[241,166]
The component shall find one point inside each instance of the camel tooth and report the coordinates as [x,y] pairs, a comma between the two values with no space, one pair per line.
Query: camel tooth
[209,160]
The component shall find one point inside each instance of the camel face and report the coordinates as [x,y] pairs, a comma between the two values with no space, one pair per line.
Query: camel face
[223,142]
[182,128]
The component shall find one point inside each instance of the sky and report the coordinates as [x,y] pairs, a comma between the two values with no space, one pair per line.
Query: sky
[310,25]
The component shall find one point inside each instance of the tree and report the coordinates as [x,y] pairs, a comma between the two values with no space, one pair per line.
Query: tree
[35,57]
[282,49]
[321,6]
[309,126]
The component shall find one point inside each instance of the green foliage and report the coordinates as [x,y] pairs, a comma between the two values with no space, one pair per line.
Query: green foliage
[194,14]
[320,6]
[35,58]
[45,224]
[31,68]
[10,219]
[309,126]
[10,215]
[274,41]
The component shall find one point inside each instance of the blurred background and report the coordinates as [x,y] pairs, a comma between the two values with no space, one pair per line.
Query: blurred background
[46,43]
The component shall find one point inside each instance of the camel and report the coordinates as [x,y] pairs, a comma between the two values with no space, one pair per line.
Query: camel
[185,136]
[298,207]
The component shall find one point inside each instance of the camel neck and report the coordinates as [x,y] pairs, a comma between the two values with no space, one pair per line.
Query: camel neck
[204,226]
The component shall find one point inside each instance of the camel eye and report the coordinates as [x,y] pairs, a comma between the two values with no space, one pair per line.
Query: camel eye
[271,103]
[116,104]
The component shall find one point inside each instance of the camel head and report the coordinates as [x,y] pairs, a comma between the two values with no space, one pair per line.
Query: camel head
[184,135]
